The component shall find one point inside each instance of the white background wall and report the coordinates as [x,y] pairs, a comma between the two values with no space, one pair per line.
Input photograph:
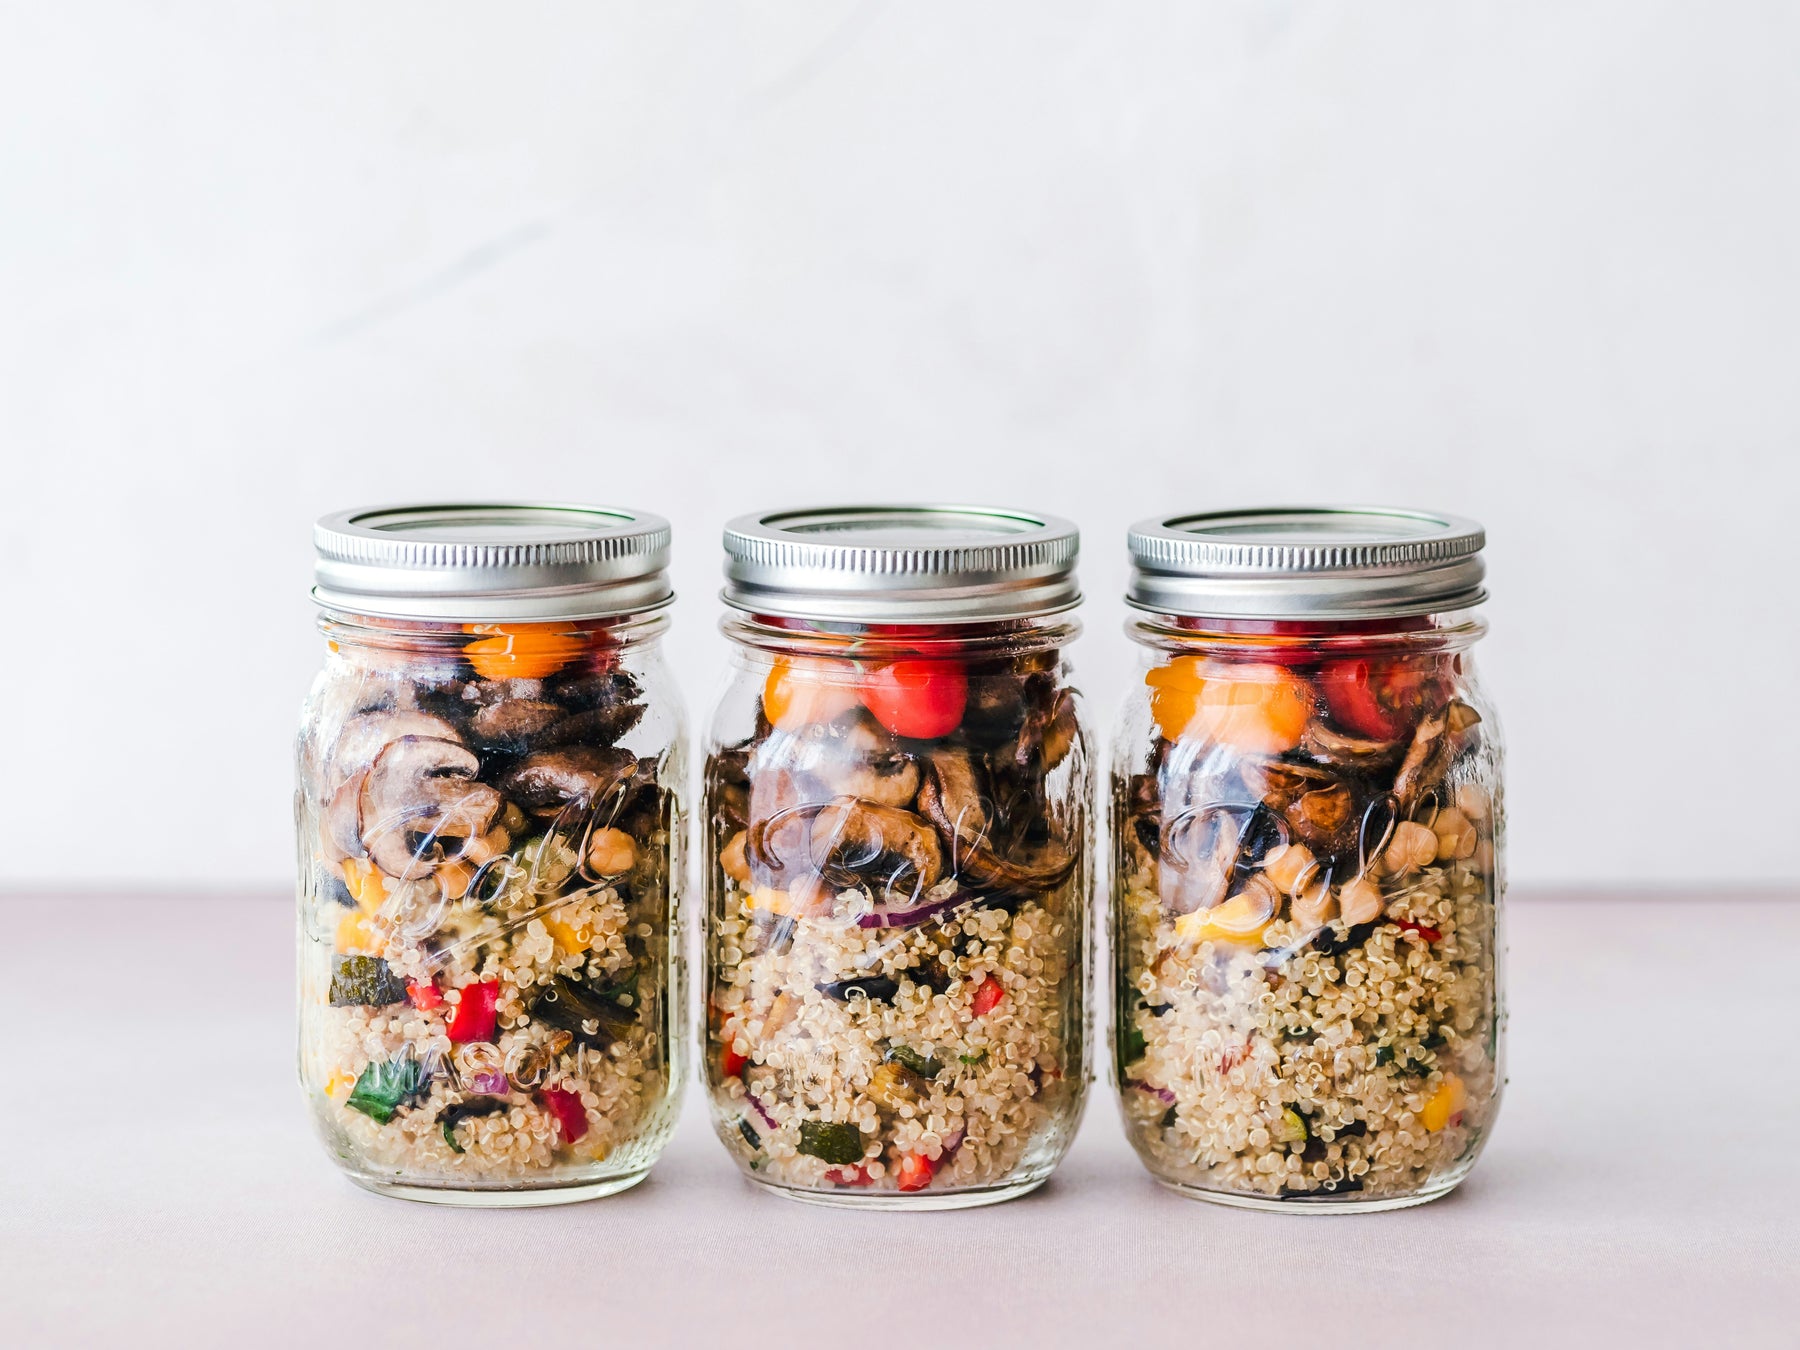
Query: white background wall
[1532,262]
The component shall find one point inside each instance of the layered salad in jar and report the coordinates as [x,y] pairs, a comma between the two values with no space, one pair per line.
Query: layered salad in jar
[1307,870]
[896,944]
[486,909]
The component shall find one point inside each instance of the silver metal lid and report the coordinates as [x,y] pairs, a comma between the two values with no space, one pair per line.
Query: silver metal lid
[485,561]
[1318,562]
[901,563]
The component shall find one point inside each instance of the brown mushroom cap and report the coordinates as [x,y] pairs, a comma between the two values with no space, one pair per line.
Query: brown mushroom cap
[512,723]
[852,756]
[419,792]
[362,738]
[854,842]
[951,799]
[546,781]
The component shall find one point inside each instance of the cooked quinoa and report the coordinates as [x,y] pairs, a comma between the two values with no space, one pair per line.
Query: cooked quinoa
[1280,1070]
[489,998]
[523,946]
[1001,1030]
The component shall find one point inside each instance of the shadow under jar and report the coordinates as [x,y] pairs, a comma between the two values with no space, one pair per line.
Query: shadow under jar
[489,825]
[1307,834]
[897,845]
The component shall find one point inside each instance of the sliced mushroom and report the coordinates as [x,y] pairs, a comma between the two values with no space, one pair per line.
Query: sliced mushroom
[546,781]
[858,843]
[1047,735]
[420,793]
[343,818]
[1352,752]
[849,757]
[603,707]
[1427,759]
[363,737]
[1324,819]
[951,799]
[512,724]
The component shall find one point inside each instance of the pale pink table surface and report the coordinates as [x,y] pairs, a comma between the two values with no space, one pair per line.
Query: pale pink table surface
[161,1186]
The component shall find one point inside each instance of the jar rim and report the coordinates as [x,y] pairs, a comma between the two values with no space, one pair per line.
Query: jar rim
[485,561]
[1306,562]
[901,562]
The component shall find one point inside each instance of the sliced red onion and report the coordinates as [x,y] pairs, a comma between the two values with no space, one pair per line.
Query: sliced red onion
[912,918]
[952,1142]
[1162,1094]
[489,1084]
[761,1110]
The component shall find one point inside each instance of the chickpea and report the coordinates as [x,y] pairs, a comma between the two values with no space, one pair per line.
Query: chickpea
[1474,801]
[610,852]
[1315,906]
[1455,835]
[455,878]
[485,848]
[1359,901]
[1413,845]
[733,860]
[1289,867]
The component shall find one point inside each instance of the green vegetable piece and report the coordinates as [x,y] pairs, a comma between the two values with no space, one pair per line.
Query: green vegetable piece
[1131,1045]
[1291,1128]
[384,1088]
[908,1058]
[840,1145]
[1384,1054]
[1168,1118]
[974,1059]
[571,1006]
[365,981]
[751,1137]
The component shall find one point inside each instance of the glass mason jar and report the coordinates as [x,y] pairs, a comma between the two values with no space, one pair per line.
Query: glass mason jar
[490,863]
[897,843]
[1307,833]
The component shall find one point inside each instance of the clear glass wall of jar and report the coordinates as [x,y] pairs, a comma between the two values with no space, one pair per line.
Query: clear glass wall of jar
[491,769]
[897,822]
[1307,832]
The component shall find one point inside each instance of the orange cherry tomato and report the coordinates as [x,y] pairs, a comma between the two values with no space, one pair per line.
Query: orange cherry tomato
[802,690]
[521,651]
[1256,708]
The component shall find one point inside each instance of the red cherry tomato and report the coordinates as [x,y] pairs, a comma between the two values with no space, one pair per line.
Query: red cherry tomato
[920,700]
[1379,698]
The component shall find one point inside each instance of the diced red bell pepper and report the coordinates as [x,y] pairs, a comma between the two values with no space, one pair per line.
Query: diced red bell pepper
[1429,934]
[987,997]
[850,1176]
[571,1115]
[915,1172]
[475,1015]
[731,1063]
[425,996]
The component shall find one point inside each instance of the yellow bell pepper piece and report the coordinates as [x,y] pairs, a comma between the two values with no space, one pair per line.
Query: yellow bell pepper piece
[364,884]
[1447,1102]
[1243,918]
[571,938]
[355,935]
[772,901]
[339,1085]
